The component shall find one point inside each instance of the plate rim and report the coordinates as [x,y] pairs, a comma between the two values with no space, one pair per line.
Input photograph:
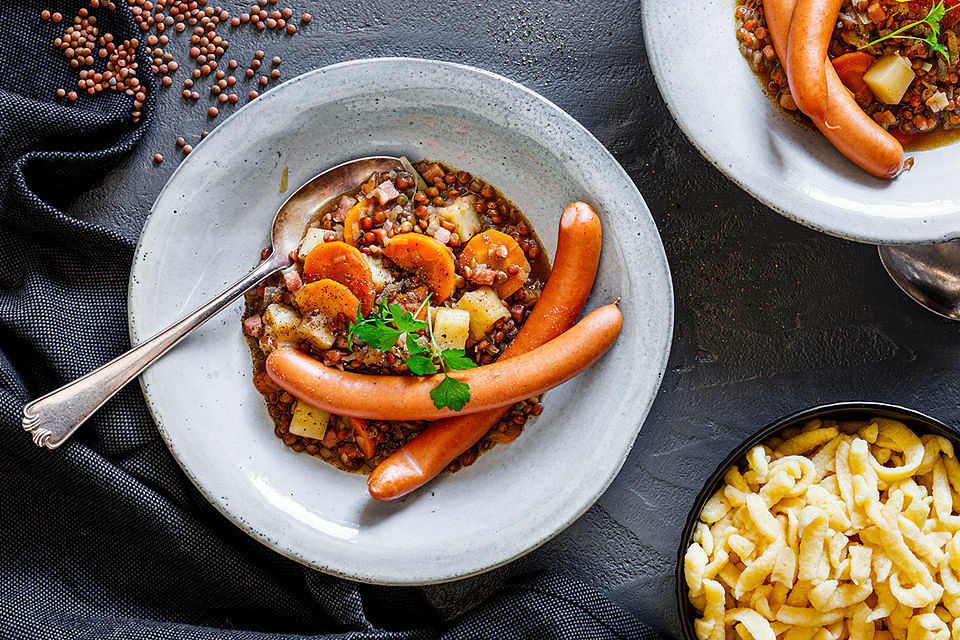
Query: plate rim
[662,352]
[943,228]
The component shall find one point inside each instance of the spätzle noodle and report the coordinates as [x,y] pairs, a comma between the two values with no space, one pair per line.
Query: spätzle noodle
[835,530]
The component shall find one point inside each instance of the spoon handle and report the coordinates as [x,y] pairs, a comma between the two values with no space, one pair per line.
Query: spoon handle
[52,418]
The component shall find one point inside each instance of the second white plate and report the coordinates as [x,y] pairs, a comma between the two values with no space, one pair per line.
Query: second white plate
[720,105]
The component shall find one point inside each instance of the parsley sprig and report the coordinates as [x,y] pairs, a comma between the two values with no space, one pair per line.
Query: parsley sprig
[376,331]
[932,20]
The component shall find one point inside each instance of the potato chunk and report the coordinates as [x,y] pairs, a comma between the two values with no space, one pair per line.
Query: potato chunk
[451,328]
[314,330]
[485,310]
[381,277]
[282,321]
[889,78]
[463,215]
[309,421]
[310,241]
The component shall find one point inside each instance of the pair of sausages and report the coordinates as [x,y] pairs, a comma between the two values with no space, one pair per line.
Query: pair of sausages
[548,350]
[801,31]
[563,298]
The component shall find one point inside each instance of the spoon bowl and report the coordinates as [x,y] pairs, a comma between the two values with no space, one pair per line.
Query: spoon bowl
[52,418]
[295,213]
[930,274]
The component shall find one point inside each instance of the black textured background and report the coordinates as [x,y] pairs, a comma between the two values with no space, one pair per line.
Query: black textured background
[771,317]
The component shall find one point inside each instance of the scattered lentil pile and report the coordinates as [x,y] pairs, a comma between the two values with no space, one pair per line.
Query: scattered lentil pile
[105,64]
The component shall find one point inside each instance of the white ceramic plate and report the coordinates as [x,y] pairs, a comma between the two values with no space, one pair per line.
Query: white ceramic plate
[720,105]
[208,226]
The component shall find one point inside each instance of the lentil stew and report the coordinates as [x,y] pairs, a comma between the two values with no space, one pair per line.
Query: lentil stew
[900,71]
[494,271]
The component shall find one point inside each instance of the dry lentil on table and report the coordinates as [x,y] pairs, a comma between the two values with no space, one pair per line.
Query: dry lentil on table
[83,43]
[339,445]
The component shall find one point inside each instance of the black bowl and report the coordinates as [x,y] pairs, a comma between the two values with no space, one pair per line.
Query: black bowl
[836,411]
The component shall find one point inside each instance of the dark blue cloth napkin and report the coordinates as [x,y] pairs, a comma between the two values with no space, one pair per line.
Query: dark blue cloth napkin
[105,537]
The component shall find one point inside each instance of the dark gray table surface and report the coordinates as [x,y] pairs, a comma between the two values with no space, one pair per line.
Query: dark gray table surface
[771,317]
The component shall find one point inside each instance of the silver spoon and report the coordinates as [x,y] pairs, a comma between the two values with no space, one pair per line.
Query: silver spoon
[54,417]
[930,274]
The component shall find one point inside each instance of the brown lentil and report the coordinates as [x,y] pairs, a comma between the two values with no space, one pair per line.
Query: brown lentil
[339,444]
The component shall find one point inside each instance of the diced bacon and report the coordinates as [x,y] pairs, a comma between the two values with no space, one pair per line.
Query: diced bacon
[292,280]
[330,438]
[253,326]
[483,276]
[442,235]
[876,13]
[350,455]
[346,203]
[385,192]
[433,172]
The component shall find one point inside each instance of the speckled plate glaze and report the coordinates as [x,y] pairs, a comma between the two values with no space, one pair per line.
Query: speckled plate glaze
[722,108]
[211,220]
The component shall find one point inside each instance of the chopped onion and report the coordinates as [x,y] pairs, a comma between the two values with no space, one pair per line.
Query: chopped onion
[421,184]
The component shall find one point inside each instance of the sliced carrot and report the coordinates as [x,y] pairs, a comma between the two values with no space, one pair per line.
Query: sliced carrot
[364,440]
[351,222]
[330,298]
[428,258]
[497,251]
[851,67]
[342,263]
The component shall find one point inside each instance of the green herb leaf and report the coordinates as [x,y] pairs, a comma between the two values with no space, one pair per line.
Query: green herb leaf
[354,326]
[456,359]
[404,320]
[413,346]
[933,19]
[421,366]
[450,393]
[378,334]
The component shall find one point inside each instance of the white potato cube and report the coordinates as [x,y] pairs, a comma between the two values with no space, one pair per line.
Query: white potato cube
[463,215]
[889,78]
[485,310]
[381,277]
[314,330]
[309,421]
[310,241]
[451,328]
[282,321]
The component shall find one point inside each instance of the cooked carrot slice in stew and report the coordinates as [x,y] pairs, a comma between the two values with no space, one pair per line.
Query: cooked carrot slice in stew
[364,440]
[851,68]
[428,258]
[351,222]
[330,298]
[342,263]
[497,251]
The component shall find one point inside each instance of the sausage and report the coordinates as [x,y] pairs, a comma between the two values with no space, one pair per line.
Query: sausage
[850,129]
[563,297]
[500,384]
[811,27]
